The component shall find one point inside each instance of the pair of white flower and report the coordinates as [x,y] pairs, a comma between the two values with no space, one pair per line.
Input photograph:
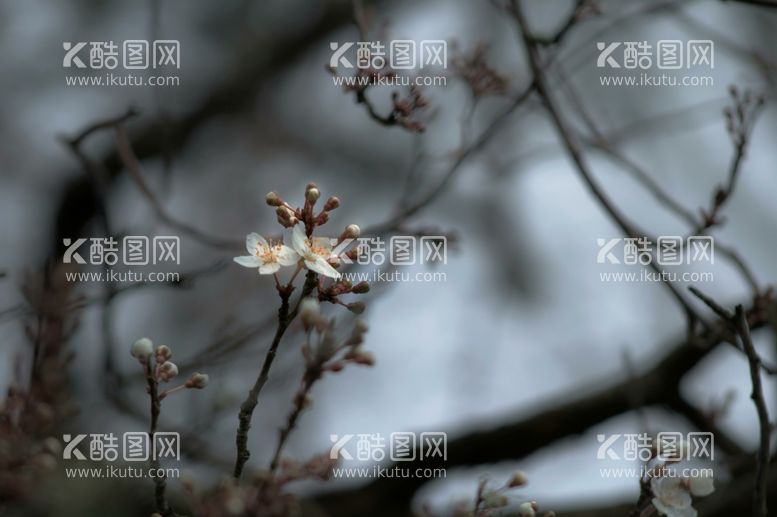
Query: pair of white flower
[673,494]
[315,252]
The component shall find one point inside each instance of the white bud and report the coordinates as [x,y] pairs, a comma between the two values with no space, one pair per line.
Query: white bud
[309,312]
[142,349]
[528,509]
[168,371]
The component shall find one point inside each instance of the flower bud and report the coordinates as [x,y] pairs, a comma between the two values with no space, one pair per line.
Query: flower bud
[286,217]
[312,195]
[495,500]
[331,203]
[361,288]
[197,381]
[273,199]
[309,312]
[142,349]
[163,353]
[518,479]
[167,371]
[356,307]
[365,358]
[352,231]
[528,509]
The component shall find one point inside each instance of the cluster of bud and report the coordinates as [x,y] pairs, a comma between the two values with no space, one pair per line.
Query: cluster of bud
[157,365]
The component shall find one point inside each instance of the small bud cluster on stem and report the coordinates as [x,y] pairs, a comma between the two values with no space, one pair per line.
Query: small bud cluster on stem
[491,500]
[157,369]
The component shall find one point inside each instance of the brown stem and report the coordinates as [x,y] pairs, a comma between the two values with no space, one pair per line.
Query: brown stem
[762,457]
[249,404]
[291,421]
[160,482]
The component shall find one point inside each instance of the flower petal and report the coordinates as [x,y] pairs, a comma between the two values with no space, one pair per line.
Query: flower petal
[685,512]
[322,267]
[269,268]
[286,256]
[701,486]
[248,261]
[299,240]
[252,240]
[679,498]
[322,242]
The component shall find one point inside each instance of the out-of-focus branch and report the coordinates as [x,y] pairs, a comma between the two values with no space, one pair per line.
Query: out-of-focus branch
[132,164]
[740,122]
[576,155]
[765,428]
[79,203]
[739,322]
[518,439]
[410,209]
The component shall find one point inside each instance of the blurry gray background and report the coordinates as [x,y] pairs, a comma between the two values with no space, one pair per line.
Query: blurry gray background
[523,319]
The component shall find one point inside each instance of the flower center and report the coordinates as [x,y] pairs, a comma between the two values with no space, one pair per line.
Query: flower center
[268,254]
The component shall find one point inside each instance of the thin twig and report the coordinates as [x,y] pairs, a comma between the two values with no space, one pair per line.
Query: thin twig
[410,209]
[160,482]
[132,164]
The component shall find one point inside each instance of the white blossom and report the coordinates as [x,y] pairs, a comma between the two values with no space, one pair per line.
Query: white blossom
[671,497]
[315,251]
[266,256]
